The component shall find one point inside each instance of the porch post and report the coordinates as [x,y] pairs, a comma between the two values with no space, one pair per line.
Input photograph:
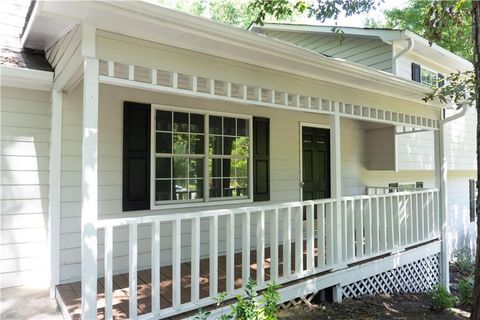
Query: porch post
[89,174]
[336,182]
[54,189]
[441,184]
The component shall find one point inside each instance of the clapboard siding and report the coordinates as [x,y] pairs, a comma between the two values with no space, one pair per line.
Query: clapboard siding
[370,52]
[61,53]
[24,153]
[12,20]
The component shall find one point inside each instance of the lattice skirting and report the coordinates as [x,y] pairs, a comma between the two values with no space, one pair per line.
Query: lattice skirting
[418,276]
[300,301]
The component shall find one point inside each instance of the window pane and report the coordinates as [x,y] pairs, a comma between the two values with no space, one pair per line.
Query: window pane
[180,143]
[197,144]
[241,187]
[196,188]
[241,166]
[242,127]
[180,167]
[215,186]
[215,167]
[196,168]
[164,142]
[163,190]
[228,168]
[164,120]
[228,146]
[242,146]
[181,192]
[180,122]
[229,126]
[196,123]
[228,187]
[163,167]
[215,125]
[215,145]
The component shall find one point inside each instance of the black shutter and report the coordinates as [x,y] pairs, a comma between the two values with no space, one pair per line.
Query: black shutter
[136,156]
[441,80]
[261,157]
[416,72]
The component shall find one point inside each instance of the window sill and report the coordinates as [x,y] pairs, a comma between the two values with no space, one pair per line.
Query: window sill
[205,205]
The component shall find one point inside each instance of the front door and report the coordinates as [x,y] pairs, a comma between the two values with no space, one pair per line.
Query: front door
[315,163]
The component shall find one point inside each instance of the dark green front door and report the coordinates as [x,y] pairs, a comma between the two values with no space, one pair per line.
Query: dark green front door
[315,163]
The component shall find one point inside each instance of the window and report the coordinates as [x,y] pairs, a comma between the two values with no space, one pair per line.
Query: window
[426,76]
[200,157]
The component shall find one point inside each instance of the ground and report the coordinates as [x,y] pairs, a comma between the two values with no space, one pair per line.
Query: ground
[22,303]
[398,306]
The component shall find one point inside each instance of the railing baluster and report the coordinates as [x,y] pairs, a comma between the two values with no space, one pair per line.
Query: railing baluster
[287,239]
[359,230]
[213,263]
[396,219]
[230,253]
[176,265]
[368,227]
[108,272]
[132,269]
[195,281]
[299,239]
[382,246]
[156,267]
[425,215]
[389,219]
[330,233]
[410,218]
[403,221]
[351,229]
[321,234]
[274,245]
[375,228]
[261,248]
[245,248]
[310,235]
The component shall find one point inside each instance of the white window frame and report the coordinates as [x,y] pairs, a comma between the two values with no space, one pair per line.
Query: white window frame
[435,84]
[206,201]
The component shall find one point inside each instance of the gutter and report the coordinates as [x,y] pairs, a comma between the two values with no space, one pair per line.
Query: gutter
[409,48]
[26,78]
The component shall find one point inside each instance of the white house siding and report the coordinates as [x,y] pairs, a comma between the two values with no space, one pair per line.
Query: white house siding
[370,52]
[65,50]
[12,20]
[25,134]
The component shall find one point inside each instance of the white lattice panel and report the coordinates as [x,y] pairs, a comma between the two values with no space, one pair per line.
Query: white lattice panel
[300,301]
[418,276]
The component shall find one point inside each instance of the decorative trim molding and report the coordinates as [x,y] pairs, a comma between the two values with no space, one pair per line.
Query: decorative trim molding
[26,78]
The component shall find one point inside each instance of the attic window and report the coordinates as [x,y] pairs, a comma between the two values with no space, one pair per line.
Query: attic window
[426,76]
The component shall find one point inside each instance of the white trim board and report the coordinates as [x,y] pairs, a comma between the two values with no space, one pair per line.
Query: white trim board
[26,78]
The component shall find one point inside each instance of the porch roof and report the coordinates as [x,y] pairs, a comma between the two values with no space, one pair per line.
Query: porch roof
[144,20]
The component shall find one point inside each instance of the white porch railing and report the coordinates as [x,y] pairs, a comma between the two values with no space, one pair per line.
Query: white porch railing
[280,234]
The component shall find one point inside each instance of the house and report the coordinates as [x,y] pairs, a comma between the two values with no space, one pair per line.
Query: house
[169,158]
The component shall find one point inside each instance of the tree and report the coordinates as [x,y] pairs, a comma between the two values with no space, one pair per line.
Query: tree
[440,21]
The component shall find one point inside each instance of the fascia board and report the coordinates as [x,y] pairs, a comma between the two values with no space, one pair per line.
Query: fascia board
[26,78]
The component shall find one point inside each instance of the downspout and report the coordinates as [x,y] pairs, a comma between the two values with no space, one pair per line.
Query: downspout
[442,175]
[401,53]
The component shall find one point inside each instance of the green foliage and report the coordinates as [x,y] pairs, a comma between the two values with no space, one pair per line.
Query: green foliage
[459,89]
[441,298]
[463,262]
[247,306]
[447,23]
[465,289]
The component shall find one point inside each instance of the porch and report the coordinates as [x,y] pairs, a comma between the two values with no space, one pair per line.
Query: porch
[288,243]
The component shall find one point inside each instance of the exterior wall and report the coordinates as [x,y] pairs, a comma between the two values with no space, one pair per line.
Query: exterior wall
[370,52]
[25,136]
[65,50]
[12,20]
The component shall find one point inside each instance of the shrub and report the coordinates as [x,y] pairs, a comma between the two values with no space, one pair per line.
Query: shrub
[441,298]
[465,289]
[247,306]
[463,262]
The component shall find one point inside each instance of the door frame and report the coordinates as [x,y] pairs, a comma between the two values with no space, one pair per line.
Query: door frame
[301,126]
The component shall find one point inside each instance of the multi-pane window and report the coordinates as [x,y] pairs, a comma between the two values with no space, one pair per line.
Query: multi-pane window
[428,77]
[186,142]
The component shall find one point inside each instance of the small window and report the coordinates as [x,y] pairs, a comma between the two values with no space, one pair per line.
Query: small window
[428,77]
[472,191]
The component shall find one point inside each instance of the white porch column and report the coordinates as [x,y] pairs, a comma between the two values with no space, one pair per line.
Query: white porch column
[89,174]
[336,182]
[441,184]
[55,168]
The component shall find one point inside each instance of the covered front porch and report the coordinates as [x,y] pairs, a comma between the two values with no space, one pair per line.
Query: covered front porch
[164,262]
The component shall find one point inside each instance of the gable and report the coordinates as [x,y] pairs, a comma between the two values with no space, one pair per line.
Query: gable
[367,51]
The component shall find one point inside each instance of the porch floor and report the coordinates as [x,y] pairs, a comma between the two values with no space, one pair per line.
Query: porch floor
[70,293]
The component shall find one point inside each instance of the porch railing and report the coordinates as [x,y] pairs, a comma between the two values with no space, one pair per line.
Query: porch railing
[291,241]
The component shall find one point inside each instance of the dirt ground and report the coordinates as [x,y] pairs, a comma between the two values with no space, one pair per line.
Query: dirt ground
[398,306]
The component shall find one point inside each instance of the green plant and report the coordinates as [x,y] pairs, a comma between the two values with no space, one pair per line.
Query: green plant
[441,298]
[465,288]
[248,307]
[463,262]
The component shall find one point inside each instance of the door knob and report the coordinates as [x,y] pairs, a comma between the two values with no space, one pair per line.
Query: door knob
[301,184]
